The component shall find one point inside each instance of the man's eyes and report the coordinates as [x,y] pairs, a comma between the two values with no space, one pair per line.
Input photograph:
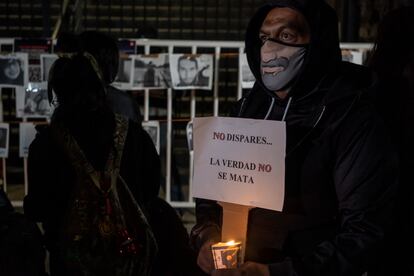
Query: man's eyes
[287,36]
[263,38]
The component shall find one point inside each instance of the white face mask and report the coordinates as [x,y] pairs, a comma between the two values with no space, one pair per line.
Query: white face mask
[280,63]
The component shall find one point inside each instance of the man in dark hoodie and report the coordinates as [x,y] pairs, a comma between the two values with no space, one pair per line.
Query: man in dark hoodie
[341,171]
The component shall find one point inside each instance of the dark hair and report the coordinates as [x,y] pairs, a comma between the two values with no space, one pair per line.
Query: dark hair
[82,106]
[187,57]
[76,84]
[67,43]
[105,50]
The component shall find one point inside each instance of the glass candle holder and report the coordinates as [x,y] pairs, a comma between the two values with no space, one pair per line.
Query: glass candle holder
[226,255]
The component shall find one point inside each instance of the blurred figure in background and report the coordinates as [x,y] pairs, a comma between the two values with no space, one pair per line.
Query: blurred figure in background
[393,62]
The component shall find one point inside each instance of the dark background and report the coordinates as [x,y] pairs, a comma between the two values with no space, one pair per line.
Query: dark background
[170,19]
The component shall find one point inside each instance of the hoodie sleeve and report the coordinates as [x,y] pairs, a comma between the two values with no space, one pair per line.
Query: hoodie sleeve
[365,177]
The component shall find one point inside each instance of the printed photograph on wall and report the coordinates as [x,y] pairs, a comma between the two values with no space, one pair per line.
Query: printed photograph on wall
[46,62]
[4,140]
[123,79]
[35,73]
[353,56]
[191,71]
[33,102]
[34,47]
[13,70]
[246,75]
[27,133]
[151,71]
[153,129]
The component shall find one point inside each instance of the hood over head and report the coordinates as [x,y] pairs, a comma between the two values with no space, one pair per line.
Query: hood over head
[323,54]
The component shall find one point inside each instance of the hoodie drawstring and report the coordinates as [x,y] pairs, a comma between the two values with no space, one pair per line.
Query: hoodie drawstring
[269,111]
[286,109]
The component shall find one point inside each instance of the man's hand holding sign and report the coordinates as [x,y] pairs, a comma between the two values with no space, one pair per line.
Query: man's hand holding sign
[241,164]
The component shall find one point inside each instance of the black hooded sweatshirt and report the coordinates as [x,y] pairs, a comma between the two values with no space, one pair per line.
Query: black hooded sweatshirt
[341,170]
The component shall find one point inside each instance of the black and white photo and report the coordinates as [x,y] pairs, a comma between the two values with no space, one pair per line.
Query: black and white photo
[27,133]
[353,55]
[34,73]
[33,102]
[153,129]
[151,71]
[46,62]
[13,70]
[191,71]
[123,79]
[4,140]
[246,75]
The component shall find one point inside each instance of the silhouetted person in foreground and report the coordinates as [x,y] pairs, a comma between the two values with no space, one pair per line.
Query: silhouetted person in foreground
[92,176]
[105,50]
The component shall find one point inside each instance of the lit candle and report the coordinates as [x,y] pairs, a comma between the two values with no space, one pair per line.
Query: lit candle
[226,255]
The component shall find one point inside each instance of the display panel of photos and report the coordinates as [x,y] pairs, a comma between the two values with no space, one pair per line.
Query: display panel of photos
[34,48]
[27,133]
[246,76]
[14,70]
[153,130]
[4,140]
[151,71]
[191,71]
[33,102]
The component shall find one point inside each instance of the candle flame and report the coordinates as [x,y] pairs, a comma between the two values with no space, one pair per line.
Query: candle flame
[230,242]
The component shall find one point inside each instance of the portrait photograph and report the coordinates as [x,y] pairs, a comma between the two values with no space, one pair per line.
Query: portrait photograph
[246,76]
[33,102]
[353,56]
[123,79]
[151,71]
[4,140]
[27,133]
[153,129]
[191,71]
[34,73]
[13,70]
[46,62]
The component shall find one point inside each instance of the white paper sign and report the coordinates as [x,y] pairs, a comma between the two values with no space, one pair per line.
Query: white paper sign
[240,161]
[27,135]
[4,140]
